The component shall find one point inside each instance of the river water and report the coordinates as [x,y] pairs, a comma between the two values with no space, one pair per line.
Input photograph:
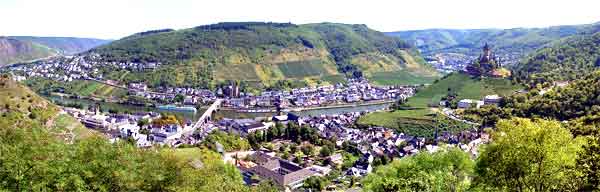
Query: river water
[105,106]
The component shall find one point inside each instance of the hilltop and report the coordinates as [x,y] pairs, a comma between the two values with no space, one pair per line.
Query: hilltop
[13,51]
[16,49]
[267,52]
[64,45]
[568,59]
[515,43]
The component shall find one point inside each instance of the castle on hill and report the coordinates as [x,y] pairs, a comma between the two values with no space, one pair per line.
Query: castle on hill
[487,65]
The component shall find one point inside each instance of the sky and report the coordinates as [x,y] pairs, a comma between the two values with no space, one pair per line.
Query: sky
[114,19]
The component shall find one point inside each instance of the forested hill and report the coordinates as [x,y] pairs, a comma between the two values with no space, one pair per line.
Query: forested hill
[568,59]
[520,41]
[16,49]
[65,45]
[269,51]
[13,51]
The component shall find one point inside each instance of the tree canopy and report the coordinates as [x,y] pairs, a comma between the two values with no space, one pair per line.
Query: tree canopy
[528,155]
[446,170]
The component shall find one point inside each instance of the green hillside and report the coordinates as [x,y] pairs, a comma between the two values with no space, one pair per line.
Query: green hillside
[520,41]
[21,107]
[14,51]
[264,52]
[568,59]
[64,45]
[418,118]
[464,87]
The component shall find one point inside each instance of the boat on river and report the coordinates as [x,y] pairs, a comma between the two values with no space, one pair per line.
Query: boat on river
[177,108]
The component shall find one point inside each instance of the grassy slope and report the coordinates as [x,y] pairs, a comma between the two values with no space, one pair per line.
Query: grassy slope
[22,107]
[422,117]
[78,87]
[465,86]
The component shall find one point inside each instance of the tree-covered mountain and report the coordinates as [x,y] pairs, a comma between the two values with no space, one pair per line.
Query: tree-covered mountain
[17,49]
[520,41]
[13,51]
[567,59]
[264,52]
[65,45]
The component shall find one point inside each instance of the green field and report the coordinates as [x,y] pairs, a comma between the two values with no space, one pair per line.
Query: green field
[399,78]
[299,69]
[77,87]
[419,122]
[465,86]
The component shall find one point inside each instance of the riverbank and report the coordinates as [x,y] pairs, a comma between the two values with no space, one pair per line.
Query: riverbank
[300,109]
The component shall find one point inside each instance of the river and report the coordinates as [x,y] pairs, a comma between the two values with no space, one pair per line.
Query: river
[232,114]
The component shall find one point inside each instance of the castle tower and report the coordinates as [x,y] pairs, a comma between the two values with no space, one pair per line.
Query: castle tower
[487,54]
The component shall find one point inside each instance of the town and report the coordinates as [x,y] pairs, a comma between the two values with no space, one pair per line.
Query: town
[358,149]
[66,69]
[351,152]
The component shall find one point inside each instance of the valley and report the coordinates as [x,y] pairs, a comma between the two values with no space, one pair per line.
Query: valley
[279,106]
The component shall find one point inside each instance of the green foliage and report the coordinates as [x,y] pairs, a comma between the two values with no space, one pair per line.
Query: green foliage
[230,142]
[399,78]
[588,164]
[569,59]
[527,155]
[34,160]
[446,170]
[577,101]
[314,183]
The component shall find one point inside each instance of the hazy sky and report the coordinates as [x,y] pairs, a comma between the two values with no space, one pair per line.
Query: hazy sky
[118,18]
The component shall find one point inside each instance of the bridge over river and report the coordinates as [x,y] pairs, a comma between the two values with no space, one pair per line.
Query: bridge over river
[206,116]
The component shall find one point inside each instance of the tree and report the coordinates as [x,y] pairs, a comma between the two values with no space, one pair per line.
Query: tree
[528,155]
[325,151]
[446,170]
[314,183]
[588,164]
[307,149]
[178,98]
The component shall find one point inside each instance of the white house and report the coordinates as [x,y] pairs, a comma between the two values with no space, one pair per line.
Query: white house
[491,99]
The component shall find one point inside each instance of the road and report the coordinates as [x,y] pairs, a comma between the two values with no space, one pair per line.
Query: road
[450,114]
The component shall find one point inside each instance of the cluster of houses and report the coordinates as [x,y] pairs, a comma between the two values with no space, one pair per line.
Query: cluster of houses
[379,141]
[356,90]
[69,68]
[126,126]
